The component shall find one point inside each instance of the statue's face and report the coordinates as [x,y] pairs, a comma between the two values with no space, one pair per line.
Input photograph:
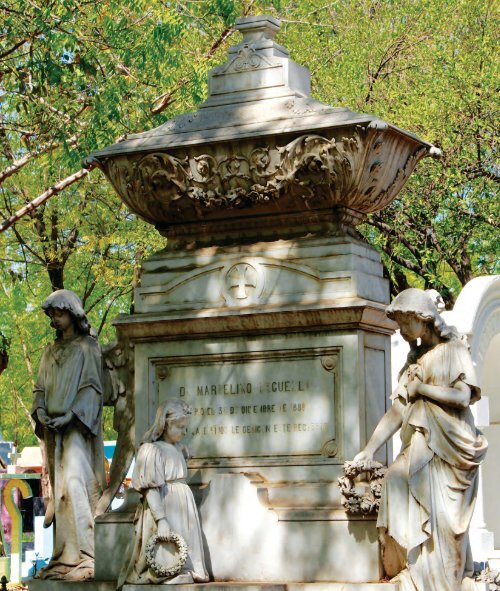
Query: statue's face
[176,430]
[411,327]
[61,319]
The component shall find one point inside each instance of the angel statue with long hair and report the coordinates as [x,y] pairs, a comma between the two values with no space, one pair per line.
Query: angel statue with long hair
[428,493]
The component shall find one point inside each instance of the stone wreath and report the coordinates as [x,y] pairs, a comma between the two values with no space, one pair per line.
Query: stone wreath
[167,571]
[369,502]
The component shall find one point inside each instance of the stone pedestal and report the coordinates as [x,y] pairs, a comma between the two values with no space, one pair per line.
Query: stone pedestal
[114,536]
[267,311]
[282,348]
[250,537]
[110,586]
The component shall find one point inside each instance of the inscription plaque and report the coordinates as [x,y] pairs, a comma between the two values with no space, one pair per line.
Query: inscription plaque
[256,405]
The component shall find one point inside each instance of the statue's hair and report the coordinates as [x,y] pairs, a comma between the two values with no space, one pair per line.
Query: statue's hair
[417,302]
[64,299]
[172,409]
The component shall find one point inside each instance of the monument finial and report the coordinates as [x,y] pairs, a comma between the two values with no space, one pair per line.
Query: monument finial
[257,28]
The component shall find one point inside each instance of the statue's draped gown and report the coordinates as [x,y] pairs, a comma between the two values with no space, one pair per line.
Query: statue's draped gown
[429,491]
[162,465]
[70,379]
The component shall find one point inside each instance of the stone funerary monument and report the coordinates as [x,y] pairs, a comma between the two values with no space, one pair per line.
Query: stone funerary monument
[265,312]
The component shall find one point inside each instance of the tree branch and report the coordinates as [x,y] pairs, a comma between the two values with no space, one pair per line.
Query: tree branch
[24,245]
[32,205]
[387,230]
[120,293]
[405,263]
[65,116]
[164,100]
[398,47]
[18,45]
[26,411]
[18,164]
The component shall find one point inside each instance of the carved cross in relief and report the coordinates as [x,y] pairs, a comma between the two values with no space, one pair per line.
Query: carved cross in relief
[239,278]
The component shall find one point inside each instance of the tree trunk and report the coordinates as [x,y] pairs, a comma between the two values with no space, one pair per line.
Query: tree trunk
[55,270]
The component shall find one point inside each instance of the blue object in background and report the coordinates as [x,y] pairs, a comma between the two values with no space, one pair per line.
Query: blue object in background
[40,563]
[109,449]
[6,448]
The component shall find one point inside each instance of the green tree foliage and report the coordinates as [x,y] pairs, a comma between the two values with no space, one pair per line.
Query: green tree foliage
[428,67]
[77,75]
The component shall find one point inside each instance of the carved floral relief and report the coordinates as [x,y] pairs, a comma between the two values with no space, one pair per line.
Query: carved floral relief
[359,171]
[368,501]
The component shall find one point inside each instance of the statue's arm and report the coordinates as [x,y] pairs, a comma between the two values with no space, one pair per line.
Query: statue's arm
[38,400]
[388,425]
[87,408]
[42,417]
[155,504]
[457,396]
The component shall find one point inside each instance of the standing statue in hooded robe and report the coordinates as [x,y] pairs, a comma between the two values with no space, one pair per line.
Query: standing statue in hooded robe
[67,409]
[429,492]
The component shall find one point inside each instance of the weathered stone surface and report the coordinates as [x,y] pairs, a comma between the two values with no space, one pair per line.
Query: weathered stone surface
[267,311]
[251,410]
[111,586]
[269,276]
[273,346]
[283,545]
[114,536]
[67,416]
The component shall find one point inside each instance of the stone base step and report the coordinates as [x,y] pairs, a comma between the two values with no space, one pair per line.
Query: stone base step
[282,587]
[272,587]
[36,585]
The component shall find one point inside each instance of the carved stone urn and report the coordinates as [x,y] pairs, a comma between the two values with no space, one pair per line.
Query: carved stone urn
[260,155]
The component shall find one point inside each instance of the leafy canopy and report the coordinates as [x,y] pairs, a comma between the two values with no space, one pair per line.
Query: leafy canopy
[77,75]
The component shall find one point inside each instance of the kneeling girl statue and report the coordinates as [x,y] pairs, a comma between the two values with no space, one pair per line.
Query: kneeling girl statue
[429,491]
[168,511]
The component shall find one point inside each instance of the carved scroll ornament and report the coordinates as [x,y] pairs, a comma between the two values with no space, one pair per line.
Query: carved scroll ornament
[358,171]
[247,58]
